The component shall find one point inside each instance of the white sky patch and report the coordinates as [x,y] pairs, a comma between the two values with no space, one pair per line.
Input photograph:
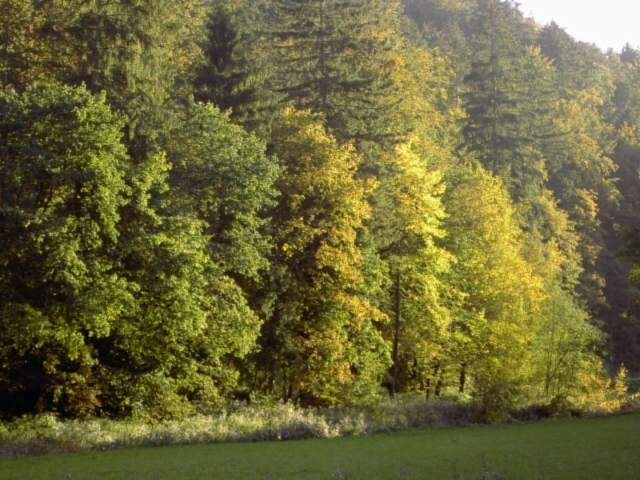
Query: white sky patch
[607,23]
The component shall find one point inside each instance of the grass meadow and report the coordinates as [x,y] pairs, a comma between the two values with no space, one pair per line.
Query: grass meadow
[565,449]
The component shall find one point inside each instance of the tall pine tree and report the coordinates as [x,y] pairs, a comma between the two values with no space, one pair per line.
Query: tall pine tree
[334,57]
[235,73]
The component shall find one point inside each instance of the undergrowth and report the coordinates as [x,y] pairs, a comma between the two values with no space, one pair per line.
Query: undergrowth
[240,422]
[46,433]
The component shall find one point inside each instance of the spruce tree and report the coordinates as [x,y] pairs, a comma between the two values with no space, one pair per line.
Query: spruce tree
[235,73]
[620,223]
[580,166]
[143,53]
[508,102]
[334,57]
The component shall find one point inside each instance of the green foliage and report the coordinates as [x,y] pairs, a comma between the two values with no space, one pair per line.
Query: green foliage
[175,247]
[222,175]
[566,346]
[62,167]
[141,52]
[445,202]
[113,302]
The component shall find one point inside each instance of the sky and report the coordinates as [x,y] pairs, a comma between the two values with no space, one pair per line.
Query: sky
[607,23]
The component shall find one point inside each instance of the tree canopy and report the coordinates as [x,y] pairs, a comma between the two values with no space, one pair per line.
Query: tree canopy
[322,202]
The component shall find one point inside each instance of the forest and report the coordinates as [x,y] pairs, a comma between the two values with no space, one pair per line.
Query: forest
[315,202]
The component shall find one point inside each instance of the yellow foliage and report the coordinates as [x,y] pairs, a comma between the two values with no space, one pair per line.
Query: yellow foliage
[601,394]
[327,348]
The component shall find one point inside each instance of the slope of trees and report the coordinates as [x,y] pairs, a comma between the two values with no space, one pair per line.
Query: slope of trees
[321,202]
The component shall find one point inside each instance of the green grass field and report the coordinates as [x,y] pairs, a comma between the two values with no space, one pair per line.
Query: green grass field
[598,449]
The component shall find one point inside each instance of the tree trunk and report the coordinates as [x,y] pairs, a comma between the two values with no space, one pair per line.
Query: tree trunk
[439,384]
[434,375]
[463,377]
[396,336]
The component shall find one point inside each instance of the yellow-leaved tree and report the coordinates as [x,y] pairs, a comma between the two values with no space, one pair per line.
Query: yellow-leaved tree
[498,293]
[320,344]
[406,225]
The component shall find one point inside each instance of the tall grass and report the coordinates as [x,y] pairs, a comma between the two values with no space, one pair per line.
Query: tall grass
[248,422]
[47,433]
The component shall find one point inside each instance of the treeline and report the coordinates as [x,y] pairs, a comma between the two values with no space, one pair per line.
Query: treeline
[313,201]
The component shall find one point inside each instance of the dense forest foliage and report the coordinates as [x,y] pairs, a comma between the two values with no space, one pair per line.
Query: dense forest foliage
[321,202]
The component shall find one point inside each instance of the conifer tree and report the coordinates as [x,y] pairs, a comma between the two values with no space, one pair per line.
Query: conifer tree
[581,175]
[507,101]
[620,223]
[579,164]
[143,53]
[579,66]
[335,57]
[235,74]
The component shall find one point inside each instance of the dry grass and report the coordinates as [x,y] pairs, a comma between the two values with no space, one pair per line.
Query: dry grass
[35,435]
[47,434]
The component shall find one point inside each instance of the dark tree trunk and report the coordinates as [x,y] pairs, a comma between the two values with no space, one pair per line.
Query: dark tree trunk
[396,336]
[439,382]
[463,377]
